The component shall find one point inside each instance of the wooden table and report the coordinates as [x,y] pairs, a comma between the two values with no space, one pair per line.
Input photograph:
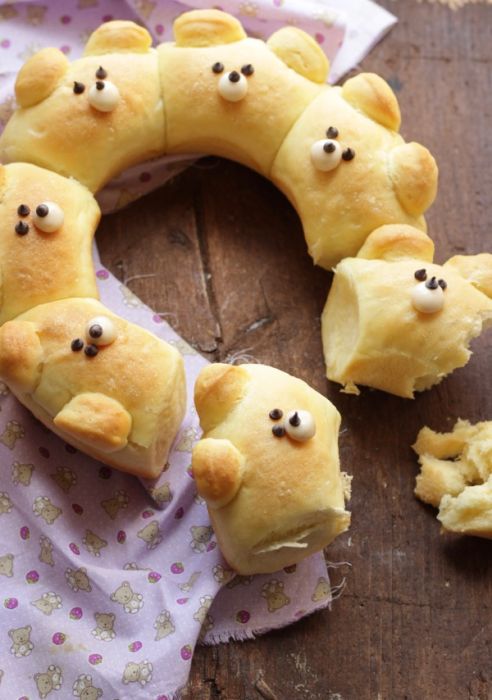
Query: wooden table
[230,267]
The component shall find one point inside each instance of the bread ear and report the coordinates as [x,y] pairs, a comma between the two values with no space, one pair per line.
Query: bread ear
[396,242]
[218,388]
[21,355]
[217,468]
[372,95]
[300,52]
[414,174]
[207,28]
[118,36]
[39,76]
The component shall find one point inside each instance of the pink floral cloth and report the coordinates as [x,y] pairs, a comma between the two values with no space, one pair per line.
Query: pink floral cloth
[106,583]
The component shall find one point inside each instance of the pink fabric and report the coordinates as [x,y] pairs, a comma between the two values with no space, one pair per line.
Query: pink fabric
[126,575]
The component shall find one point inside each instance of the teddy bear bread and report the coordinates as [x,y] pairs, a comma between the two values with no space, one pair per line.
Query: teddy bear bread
[456,476]
[267,466]
[106,386]
[335,152]
[396,321]
[47,223]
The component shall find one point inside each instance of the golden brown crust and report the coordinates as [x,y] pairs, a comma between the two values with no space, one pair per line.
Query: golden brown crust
[372,95]
[414,175]
[217,469]
[300,52]
[290,501]
[118,36]
[39,76]
[40,267]
[97,420]
[396,242]
[206,28]
[21,355]
[218,388]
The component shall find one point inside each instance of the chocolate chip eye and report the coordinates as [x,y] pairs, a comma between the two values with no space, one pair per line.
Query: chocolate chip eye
[300,425]
[247,70]
[278,431]
[101,331]
[77,344]
[348,154]
[332,132]
[23,210]
[101,73]
[48,217]
[443,284]
[326,154]
[78,88]
[218,67]
[276,414]
[421,275]
[99,85]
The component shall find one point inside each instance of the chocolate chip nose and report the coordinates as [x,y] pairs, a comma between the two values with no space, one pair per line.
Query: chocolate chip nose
[234,76]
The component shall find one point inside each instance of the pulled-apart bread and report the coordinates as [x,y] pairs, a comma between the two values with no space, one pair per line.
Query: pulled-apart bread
[396,321]
[267,466]
[456,476]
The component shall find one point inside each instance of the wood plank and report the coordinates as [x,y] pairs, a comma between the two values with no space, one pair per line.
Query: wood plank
[415,619]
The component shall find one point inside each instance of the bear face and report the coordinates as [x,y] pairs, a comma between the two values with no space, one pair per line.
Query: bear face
[151,534]
[40,265]
[366,178]
[273,592]
[111,96]
[94,543]
[78,580]
[278,437]
[85,386]
[395,321]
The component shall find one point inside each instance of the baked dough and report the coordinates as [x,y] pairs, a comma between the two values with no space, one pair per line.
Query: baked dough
[272,500]
[456,476]
[335,152]
[122,404]
[376,327]
[38,266]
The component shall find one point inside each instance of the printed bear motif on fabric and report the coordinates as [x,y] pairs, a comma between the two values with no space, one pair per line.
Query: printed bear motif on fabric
[45,509]
[48,602]
[84,689]
[94,543]
[50,680]
[273,592]
[7,565]
[322,590]
[46,551]
[105,626]
[137,673]
[65,478]
[163,625]
[201,537]
[22,473]
[21,641]
[13,432]
[112,506]
[131,601]
[5,503]
[151,534]
[78,580]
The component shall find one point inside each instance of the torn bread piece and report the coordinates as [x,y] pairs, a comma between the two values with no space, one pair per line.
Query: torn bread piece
[456,476]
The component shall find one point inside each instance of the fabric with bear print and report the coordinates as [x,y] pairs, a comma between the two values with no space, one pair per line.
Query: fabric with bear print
[105,586]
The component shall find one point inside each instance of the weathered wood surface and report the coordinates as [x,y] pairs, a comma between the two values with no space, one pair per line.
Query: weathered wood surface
[232,271]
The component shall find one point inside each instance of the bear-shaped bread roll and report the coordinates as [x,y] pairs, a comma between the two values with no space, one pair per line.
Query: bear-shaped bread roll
[398,322]
[456,476]
[267,466]
[106,386]
[94,117]
[335,152]
[46,227]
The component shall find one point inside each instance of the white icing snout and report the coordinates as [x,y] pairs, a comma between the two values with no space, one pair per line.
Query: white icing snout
[233,86]
[48,217]
[104,96]
[326,154]
[428,299]
[101,330]
[300,425]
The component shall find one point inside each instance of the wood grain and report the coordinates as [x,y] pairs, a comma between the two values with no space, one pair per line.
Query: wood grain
[229,266]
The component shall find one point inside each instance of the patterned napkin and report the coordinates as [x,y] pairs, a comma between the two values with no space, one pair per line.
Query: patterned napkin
[107,583]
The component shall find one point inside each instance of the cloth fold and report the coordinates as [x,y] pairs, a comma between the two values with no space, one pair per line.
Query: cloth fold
[107,583]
